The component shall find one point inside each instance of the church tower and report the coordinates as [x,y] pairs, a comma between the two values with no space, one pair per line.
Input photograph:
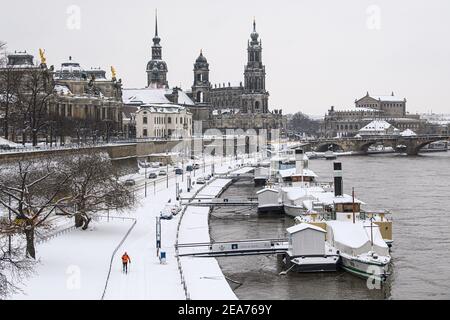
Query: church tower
[202,86]
[255,98]
[157,68]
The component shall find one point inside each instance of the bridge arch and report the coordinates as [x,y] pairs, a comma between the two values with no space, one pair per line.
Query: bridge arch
[324,147]
[420,145]
[364,147]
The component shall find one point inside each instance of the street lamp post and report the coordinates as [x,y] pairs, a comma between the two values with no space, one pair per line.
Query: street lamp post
[167,166]
[9,235]
[145,178]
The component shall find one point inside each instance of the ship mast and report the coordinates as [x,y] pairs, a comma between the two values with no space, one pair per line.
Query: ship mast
[353,206]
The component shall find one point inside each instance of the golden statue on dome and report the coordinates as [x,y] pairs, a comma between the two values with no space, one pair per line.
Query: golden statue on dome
[43,58]
[113,72]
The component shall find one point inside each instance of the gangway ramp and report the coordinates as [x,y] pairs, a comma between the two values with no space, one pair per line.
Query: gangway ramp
[234,248]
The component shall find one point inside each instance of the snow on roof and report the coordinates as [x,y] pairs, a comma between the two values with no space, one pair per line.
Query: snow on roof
[292,172]
[304,226]
[162,108]
[377,125]
[357,237]
[388,98]
[60,89]
[329,198]
[408,133]
[153,96]
[349,234]
[266,190]
[294,193]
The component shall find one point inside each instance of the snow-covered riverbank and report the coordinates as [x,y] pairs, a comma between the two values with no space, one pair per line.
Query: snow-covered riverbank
[75,265]
[203,276]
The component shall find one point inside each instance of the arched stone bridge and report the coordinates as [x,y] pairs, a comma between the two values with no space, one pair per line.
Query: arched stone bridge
[413,144]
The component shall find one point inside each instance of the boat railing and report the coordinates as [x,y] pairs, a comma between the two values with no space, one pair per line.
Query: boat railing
[385,215]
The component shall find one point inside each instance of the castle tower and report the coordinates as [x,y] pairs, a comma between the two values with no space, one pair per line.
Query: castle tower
[157,68]
[255,98]
[202,86]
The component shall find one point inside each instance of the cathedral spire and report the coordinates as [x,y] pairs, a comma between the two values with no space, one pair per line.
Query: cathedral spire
[156,23]
[157,67]
[254,35]
[156,39]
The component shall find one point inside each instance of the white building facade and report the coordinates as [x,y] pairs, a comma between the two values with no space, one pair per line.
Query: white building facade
[163,121]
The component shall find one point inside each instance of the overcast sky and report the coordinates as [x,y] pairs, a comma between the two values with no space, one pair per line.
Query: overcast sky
[317,53]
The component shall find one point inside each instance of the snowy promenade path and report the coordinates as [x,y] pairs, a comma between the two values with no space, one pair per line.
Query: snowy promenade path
[148,279]
[73,266]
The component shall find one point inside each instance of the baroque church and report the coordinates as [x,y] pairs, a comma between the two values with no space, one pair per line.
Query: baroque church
[223,107]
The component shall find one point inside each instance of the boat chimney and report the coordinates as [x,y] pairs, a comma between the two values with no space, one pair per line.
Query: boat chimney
[299,164]
[338,183]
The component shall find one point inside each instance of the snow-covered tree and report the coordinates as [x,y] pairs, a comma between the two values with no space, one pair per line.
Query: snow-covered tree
[14,266]
[10,81]
[94,187]
[34,96]
[32,190]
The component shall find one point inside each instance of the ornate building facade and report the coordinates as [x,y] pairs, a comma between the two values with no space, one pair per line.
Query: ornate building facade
[237,107]
[347,123]
[89,96]
[250,97]
[77,103]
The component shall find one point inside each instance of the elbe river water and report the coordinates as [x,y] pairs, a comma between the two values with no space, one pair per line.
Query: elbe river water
[415,189]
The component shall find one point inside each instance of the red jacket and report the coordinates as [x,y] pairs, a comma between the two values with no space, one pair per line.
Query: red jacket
[126,259]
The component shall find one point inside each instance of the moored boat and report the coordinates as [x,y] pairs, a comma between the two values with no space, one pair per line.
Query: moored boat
[363,253]
[308,251]
[269,200]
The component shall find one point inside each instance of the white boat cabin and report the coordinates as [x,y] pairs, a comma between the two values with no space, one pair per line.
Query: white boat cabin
[306,240]
[340,207]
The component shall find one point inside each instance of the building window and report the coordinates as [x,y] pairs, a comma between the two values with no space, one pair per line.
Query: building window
[169,120]
[144,133]
[145,120]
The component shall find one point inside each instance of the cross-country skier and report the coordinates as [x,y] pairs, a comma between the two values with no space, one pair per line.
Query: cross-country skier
[125,261]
